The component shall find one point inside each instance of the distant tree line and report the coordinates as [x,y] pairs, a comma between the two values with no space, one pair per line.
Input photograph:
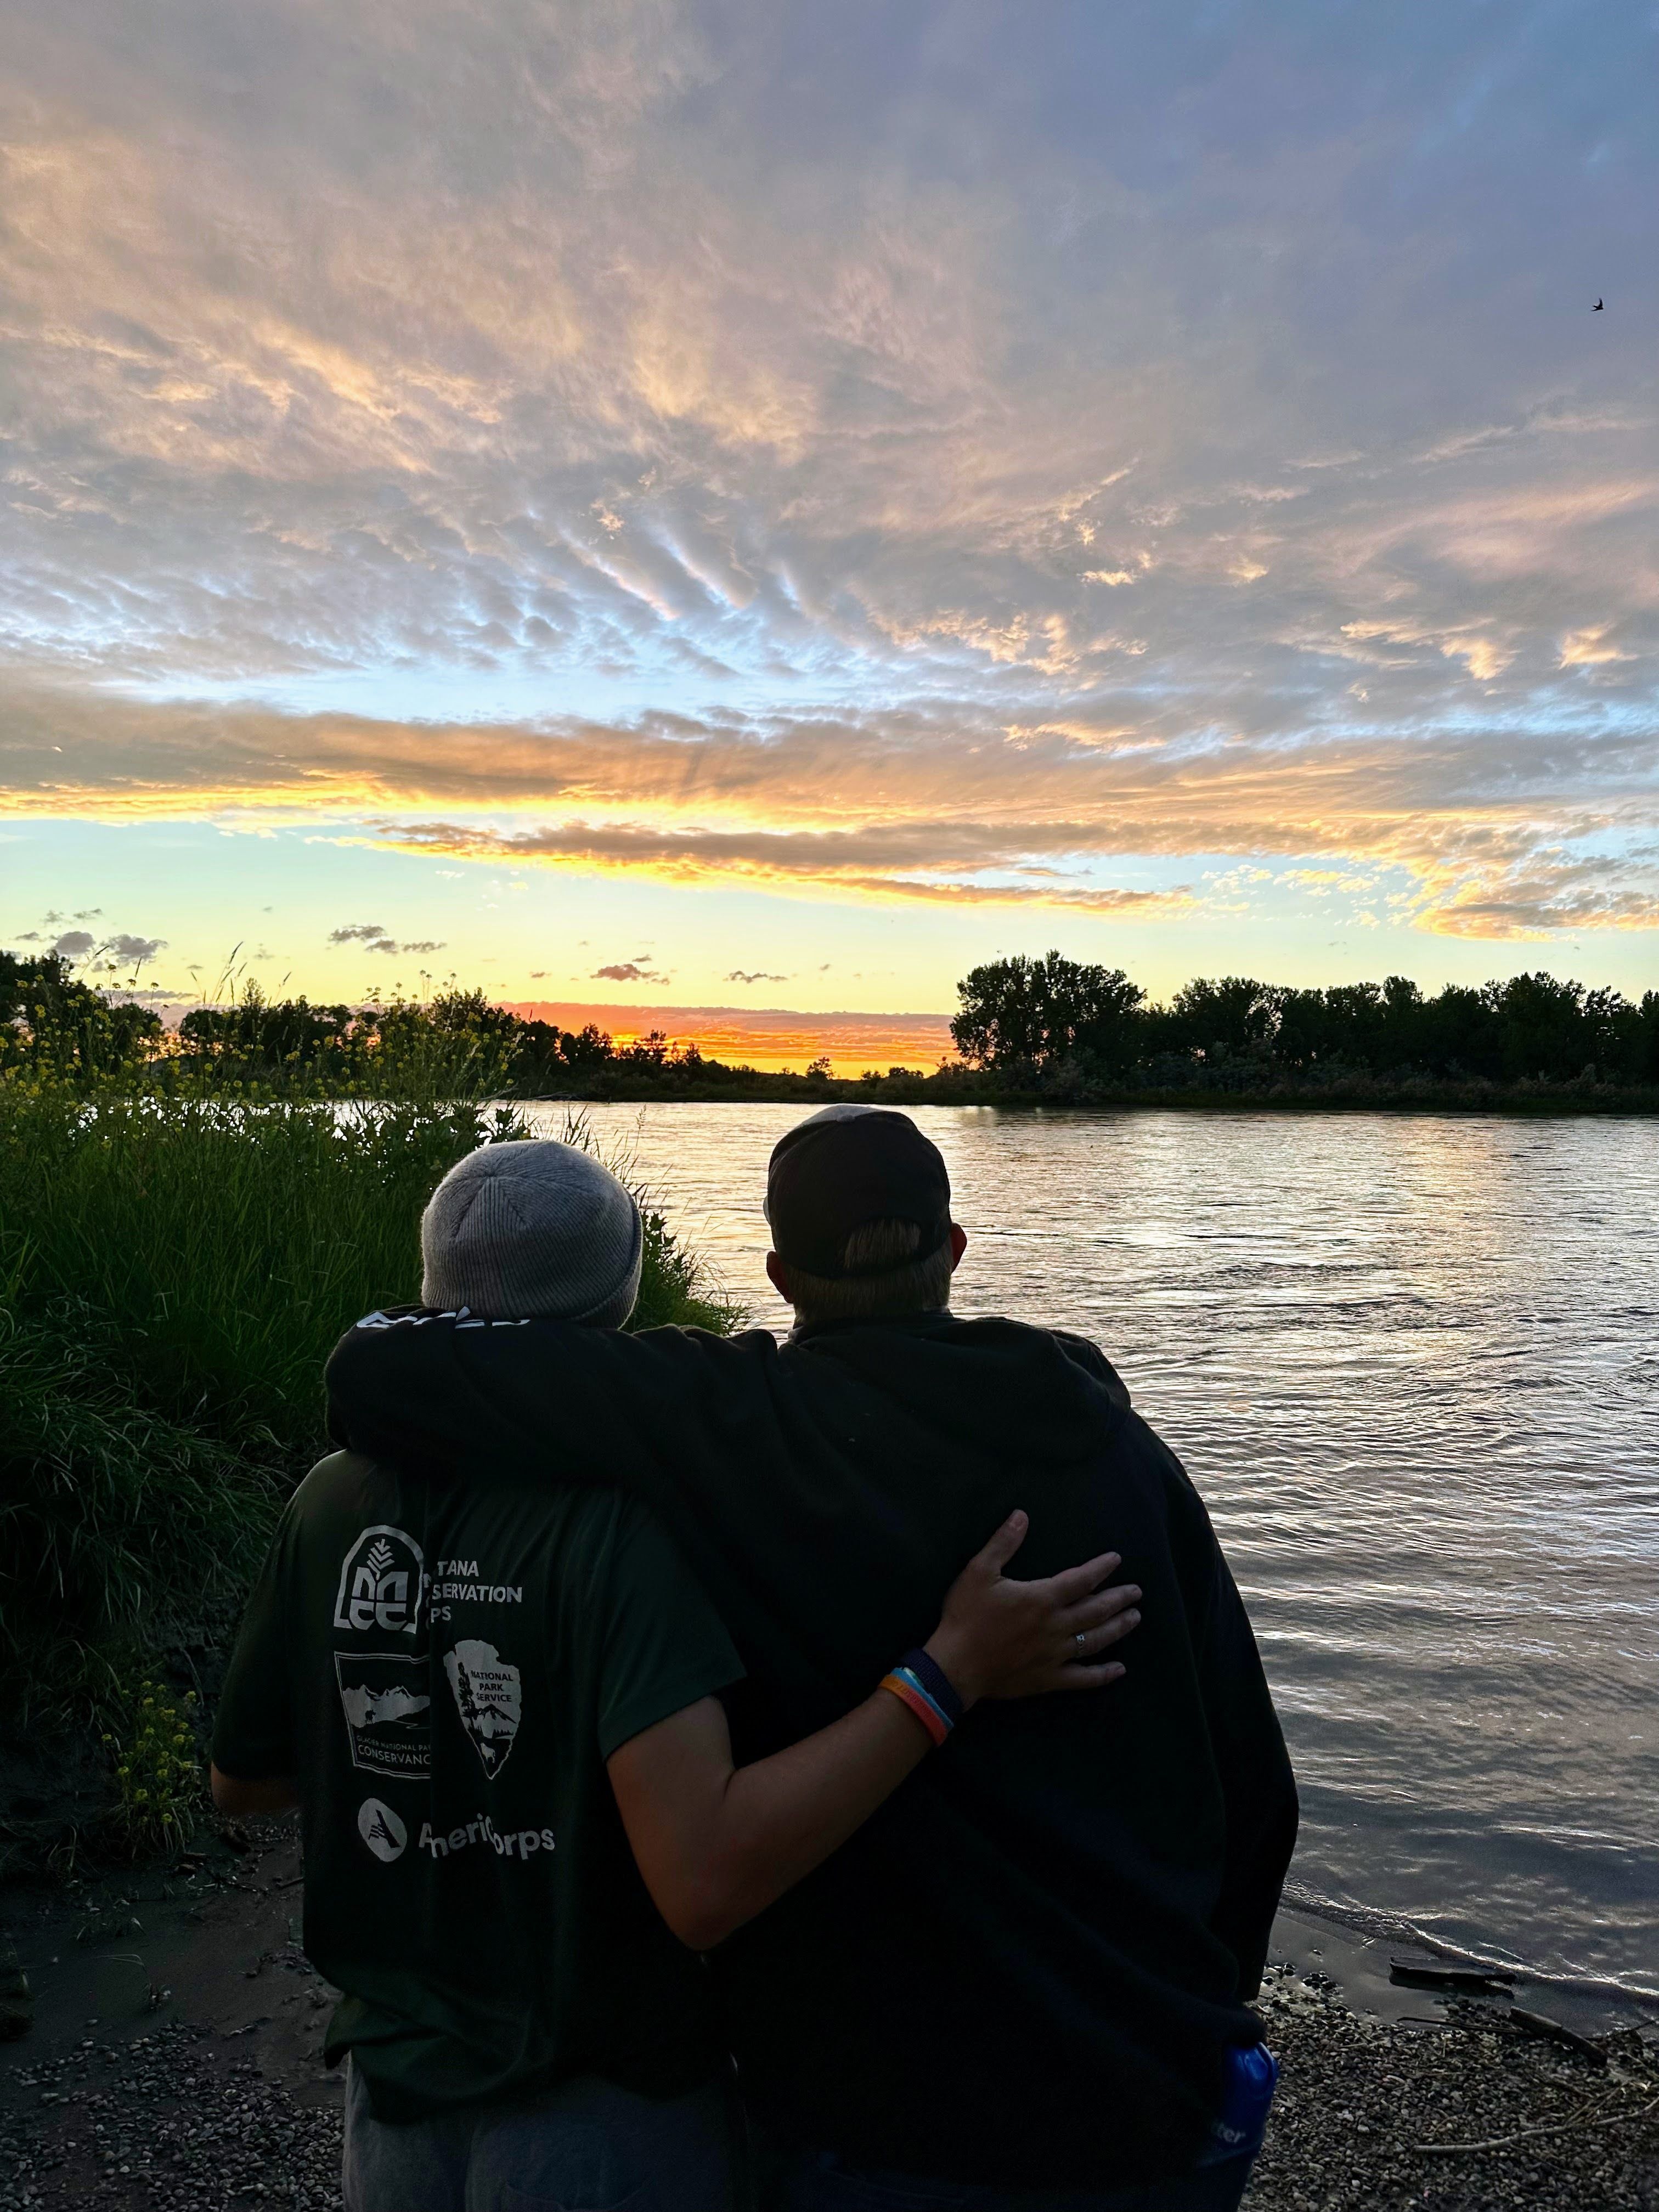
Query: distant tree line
[458,1044]
[1054,1029]
[1032,1021]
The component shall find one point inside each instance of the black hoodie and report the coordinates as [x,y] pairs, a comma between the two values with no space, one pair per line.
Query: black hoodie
[1024,1968]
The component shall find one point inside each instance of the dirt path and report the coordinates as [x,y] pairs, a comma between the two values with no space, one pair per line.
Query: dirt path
[175,2059]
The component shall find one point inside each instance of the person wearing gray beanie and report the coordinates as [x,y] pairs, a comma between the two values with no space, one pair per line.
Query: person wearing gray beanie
[532,1227]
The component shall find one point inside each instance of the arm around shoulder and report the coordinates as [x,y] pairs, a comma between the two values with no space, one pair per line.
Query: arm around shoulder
[716,1844]
[435,1390]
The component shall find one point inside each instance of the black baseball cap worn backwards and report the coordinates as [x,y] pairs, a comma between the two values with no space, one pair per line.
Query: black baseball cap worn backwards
[847,1167]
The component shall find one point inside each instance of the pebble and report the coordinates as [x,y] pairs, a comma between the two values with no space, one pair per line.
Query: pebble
[1356,2095]
[177,2122]
[171,2122]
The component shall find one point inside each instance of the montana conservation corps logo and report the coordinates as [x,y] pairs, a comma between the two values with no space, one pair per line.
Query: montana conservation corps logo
[388,1710]
[382,1584]
[381,1830]
[486,1689]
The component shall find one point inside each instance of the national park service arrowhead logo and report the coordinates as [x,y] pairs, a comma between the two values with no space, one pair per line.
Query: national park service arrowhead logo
[487,1698]
[382,1584]
[381,1830]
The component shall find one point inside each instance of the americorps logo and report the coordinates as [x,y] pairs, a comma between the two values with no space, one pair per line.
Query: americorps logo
[381,1829]
[383,1582]
[505,1843]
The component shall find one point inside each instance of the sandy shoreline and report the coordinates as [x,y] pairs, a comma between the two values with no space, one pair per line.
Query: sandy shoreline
[173,2064]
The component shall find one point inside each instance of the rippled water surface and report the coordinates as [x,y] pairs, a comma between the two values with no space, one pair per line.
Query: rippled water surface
[1412,1365]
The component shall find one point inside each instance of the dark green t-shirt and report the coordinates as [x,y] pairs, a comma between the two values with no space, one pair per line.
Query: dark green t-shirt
[446,1666]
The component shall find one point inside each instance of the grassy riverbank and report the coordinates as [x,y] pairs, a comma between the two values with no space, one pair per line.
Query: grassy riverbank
[173,1275]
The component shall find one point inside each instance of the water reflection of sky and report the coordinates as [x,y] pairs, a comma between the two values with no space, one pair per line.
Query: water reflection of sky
[1410,1362]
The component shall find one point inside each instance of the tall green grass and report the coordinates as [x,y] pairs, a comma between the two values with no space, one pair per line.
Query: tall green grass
[223,1247]
[119,1527]
[174,1272]
[226,1245]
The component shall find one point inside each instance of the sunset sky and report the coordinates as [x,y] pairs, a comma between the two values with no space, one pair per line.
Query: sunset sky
[773,504]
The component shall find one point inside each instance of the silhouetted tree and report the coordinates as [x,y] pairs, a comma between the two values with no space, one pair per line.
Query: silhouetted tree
[1024,1012]
[1228,1017]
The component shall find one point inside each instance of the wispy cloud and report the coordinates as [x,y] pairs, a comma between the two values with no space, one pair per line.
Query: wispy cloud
[628,971]
[124,949]
[370,937]
[133,951]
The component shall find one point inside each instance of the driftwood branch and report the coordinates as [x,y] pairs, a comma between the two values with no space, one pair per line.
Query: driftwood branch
[1595,2116]
[1552,2031]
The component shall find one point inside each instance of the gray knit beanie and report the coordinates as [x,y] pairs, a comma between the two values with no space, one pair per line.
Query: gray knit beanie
[532,1227]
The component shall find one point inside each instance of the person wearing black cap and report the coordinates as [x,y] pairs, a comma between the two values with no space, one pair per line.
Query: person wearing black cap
[1027,1978]
[858,1204]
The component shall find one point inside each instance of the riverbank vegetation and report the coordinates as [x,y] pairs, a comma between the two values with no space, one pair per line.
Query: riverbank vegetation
[1026,1031]
[173,1271]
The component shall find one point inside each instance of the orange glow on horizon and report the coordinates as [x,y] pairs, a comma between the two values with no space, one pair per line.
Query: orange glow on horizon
[769,1039]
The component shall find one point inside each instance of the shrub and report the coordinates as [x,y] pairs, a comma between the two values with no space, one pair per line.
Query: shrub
[157,1779]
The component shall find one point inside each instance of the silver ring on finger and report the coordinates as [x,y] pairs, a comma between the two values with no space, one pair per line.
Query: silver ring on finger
[1081,1639]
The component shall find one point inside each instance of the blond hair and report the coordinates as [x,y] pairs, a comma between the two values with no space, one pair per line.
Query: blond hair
[883,1277]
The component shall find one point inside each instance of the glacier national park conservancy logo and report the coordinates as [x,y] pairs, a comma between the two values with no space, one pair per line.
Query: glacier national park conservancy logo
[388,1710]
[487,1698]
[382,1584]
[381,1830]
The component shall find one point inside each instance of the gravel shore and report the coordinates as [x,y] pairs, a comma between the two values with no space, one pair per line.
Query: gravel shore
[171,2122]
[174,2065]
[1369,2112]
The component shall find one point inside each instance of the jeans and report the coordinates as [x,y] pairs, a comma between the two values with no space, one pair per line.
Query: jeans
[586,2145]
[820,2182]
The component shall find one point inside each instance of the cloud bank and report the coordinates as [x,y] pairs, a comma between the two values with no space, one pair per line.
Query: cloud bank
[1498,830]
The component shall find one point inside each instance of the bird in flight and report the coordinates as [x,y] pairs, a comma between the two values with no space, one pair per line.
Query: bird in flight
[1596,309]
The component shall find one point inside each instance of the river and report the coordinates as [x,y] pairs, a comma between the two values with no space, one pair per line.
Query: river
[1412,1362]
